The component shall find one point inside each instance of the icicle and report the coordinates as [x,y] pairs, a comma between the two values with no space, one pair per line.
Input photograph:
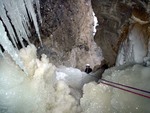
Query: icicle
[29,5]
[95,23]
[16,19]
[7,24]
[24,18]
[7,45]
[1,53]
[38,9]
[15,15]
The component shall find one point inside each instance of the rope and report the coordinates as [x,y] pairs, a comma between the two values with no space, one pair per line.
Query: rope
[126,86]
[126,90]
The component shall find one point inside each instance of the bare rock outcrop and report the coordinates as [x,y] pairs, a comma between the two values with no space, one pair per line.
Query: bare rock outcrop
[67,29]
[67,33]
[115,20]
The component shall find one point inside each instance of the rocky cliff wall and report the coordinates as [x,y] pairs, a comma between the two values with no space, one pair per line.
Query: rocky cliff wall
[115,18]
[67,29]
[67,33]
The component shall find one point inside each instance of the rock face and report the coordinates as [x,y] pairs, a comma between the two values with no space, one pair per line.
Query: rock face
[115,19]
[67,33]
[67,29]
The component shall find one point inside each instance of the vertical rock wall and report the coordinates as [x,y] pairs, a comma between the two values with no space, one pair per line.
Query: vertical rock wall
[67,33]
[115,19]
[67,29]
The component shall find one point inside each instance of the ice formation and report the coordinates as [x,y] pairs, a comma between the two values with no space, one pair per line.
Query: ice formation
[73,77]
[100,98]
[7,45]
[48,89]
[15,16]
[133,49]
[95,23]
[36,93]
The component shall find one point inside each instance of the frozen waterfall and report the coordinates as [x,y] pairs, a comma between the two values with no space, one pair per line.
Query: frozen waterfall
[95,23]
[51,89]
[7,45]
[134,49]
[15,15]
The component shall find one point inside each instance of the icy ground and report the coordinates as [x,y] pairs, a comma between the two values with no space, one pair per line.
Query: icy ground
[50,89]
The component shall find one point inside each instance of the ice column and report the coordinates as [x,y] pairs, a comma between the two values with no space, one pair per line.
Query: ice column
[7,23]
[133,49]
[7,45]
[29,5]
[15,16]
[94,24]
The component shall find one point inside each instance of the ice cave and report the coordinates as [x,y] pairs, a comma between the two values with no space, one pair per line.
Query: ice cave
[45,44]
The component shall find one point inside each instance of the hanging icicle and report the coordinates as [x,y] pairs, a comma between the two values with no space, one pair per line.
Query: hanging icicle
[15,16]
[29,5]
[7,45]
[15,13]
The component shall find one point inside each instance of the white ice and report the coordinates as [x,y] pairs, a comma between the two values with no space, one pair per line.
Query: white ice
[36,93]
[14,15]
[7,23]
[100,98]
[95,23]
[50,89]
[134,48]
[30,8]
[7,45]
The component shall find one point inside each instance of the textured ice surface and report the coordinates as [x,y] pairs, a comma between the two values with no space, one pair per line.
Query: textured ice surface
[48,89]
[73,77]
[14,15]
[7,45]
[7,23]
[36,93]
[95,23]
[133,49]
[100,98]
[32,14]
[15,12]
